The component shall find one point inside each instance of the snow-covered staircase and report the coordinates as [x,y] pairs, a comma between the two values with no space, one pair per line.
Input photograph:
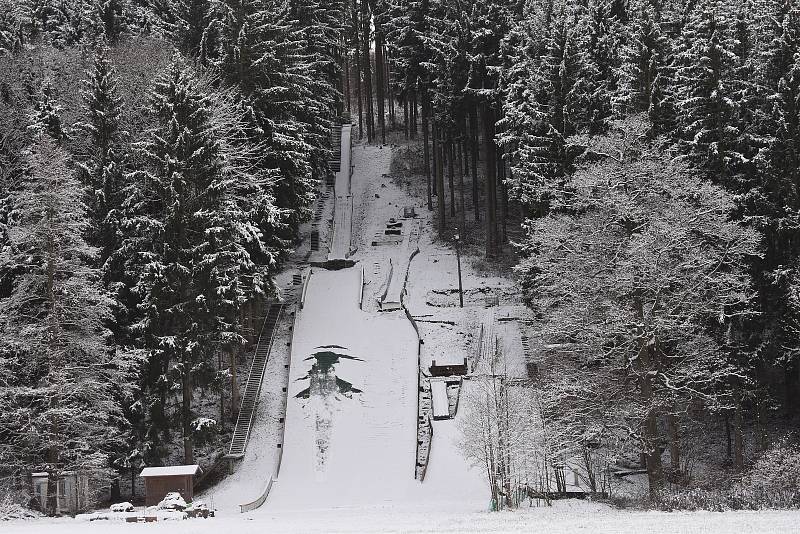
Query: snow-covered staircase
[247,409]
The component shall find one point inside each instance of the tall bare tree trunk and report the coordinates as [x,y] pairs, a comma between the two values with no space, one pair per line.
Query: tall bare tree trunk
[435,143]
[347,78]
[652,454]
[651,450]
[473,122]
[367,58]
[186,415]
[358,71]
[503,204]
[462,223]
[728,437]
[673,429]
[413,113]
[379,64]
[389,94]
[220,364]
[53,363]
[235,394]
[450,176]
[465,143]
[491,181]
[426,149]
[439,144]
[51,506]
[738,436]
[405,115]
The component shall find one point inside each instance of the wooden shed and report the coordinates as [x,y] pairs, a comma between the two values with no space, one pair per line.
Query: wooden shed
[451,369]
[72,491]
[158,481]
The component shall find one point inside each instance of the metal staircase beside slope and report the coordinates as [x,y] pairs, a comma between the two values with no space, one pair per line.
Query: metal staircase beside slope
[247,409]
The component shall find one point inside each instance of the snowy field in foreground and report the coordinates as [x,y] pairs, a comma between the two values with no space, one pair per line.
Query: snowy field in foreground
[565,517]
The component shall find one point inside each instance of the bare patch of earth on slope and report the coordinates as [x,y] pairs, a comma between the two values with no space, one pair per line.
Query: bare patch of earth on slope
[324,391]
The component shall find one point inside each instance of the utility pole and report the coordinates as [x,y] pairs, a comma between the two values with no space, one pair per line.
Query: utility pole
[457,239]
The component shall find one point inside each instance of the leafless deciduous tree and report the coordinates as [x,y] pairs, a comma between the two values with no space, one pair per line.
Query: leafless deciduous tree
[638,275]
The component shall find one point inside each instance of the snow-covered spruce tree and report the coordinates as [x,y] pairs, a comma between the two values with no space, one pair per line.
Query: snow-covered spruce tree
[56,371]
[705,94]
[604,38]
[637,277]
[102,171]
[544,105]
[771,201]
[644,57]
[321,27]
[191,223]
[113,18]
[46,115]
[261,54]
[12,170]
[318,26]
[16,24]
[48,17]
[65,23]
[190,25]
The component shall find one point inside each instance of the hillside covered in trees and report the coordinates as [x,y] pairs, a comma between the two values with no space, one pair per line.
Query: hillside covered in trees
[638,161]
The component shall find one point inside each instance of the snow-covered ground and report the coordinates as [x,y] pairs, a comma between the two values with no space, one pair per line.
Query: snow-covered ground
[562,518]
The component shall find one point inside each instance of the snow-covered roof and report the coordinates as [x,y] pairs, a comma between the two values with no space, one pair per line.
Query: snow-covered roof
[439,394]
[45,474]
[169,471]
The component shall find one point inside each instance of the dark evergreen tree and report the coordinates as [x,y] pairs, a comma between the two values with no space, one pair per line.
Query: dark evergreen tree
[16,24]
[13,167]
[64,23]
[113,17]
[263,57]
[643,62]
[705,88]
[546,103]
[191,22]
[46,116]
[771,198]
[193,231]
[604,37]
[102,172]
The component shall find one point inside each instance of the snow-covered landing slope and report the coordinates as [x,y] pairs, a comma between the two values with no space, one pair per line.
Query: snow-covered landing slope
[345,448]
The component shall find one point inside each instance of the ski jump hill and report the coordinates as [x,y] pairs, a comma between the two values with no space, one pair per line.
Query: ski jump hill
[350,431]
